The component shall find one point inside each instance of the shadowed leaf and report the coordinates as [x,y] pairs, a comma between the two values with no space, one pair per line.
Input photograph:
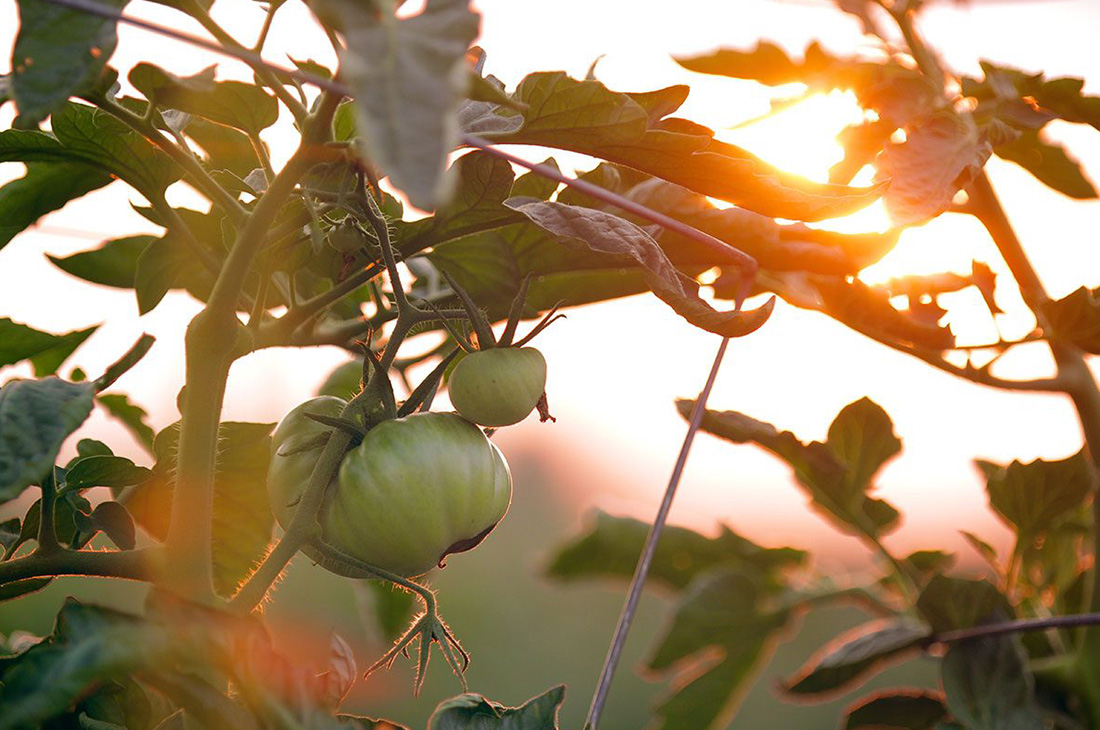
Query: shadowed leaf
[894,710]
[46,352]
[989,687]
[46,187]
[852,657]
[1034,497]
[474,712]
[112,264]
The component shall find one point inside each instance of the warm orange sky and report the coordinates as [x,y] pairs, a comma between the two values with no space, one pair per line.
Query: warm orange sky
[616,368]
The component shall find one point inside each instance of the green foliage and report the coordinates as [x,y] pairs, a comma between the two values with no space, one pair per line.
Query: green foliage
[46,187]
[131,416]
[897,711]
[231,103]
[470,711]
[59,52]
[36,416]
[242,517]
[45,352]
[1038,496]
[837,474]
[989,687]
[113,264]
[851,657]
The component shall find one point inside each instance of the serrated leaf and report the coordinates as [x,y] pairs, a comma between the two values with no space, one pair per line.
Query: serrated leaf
[988,685]
[44,188]
[36,416]
[112,264]
[1034,497]
[939,157]
[1060,97]
[104,471]
[609,234]
[1049,163]
[948,603]
[58,53]
[409,75]
[45,351]
[130,415]
[852,657]
[837,474]
[586,117]
[474,712]
[232,103]
[242,515]
[894,710]
[612,546]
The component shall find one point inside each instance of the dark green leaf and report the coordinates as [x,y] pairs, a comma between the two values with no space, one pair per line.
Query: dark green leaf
[168,264]
[104,471]
[132,417]
[1076,318]
[46,187]
[58,53]
[113,519]
[9,532]
[408,76]
[474,712]
[112,264]
[242,515]
[837,474]
[894,710]
[612,546]
[1034,497]
[723,626]
[989,687]
[45,351]
[609,234]
[948,603]
[852,657]
[929,562]
[233,103]
[36,416]
[18,589]
[586,117]
[1049,163]
[226,148]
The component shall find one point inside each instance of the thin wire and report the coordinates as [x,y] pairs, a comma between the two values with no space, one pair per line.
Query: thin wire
[614,653]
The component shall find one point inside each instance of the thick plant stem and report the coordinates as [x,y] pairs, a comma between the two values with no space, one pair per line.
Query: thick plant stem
[131,564]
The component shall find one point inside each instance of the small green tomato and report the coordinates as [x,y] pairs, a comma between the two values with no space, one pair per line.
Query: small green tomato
[498,386]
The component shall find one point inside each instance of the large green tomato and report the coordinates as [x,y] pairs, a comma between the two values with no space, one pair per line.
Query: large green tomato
[499,386]
[288,473]
[416,490]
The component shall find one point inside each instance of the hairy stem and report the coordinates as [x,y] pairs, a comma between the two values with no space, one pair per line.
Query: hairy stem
[131,564]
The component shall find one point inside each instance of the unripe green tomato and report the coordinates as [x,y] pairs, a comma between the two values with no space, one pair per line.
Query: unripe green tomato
[288,473]
[416,490]
[499,386]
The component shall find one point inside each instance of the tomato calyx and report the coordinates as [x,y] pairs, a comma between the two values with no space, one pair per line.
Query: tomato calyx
[462,546]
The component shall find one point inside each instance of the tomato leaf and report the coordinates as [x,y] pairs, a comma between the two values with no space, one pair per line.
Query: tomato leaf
[470,711]
[894,710]
[36,416]
[58,52]
[44,188]
[939,157]
[609,234]
[948,603]
[989,686]
[838,473]
[722,615]
[226,148]
[45,351]
[242,516]
[104,471]
[130,415]
[1034,497]
[612,545]
[1076,318]
[113,264]
[586,117]
[1059,97]
[115,521]
[409,76]
[232,103]
[1049,163]
[853,656]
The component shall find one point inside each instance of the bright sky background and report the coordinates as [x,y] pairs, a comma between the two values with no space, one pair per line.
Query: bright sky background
[616,368]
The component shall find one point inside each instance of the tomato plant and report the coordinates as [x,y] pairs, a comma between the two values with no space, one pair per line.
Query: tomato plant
[313,248]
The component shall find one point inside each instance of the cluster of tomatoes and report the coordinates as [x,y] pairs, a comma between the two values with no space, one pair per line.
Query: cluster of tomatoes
[418,488]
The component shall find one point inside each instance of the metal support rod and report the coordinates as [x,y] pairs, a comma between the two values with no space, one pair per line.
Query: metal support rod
[614,653]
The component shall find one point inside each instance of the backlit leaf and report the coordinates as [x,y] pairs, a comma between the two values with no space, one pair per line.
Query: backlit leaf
[132,417]
[1033,497]
[112,264]
[1075,318]
[1049,163]
[45,351]
[948,603]
[894,710]
[44,188]
[850,658]
[474,712]
[233,103]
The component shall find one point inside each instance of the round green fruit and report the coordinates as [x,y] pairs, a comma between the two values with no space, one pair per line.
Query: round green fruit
[291,463]
[416,490]
[498,386]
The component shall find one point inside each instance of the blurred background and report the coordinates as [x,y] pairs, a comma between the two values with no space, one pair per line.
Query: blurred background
[616,368]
